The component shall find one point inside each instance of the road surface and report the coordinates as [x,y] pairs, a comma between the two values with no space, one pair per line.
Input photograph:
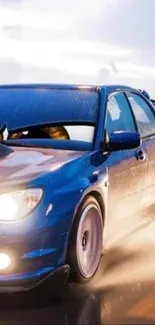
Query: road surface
[124,295]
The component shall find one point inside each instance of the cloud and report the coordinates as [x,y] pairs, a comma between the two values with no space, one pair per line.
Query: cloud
[83,41]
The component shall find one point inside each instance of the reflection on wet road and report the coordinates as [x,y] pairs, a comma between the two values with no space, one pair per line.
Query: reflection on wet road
[124,295]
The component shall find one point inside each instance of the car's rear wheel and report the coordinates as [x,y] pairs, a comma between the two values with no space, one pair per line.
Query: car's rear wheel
[85,246]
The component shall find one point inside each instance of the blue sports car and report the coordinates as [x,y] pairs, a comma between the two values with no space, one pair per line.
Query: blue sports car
[77,173]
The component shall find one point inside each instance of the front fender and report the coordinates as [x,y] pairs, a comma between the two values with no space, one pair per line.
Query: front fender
[70,197]
[66,199]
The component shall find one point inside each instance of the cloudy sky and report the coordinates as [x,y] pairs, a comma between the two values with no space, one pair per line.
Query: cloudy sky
[91,41]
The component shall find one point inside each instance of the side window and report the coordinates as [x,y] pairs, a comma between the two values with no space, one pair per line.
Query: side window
[143,114]
[119,115]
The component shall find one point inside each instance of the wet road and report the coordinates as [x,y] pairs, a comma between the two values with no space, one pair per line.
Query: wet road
[124,295]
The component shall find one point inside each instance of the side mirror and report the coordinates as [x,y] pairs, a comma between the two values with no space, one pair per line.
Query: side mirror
[124,140]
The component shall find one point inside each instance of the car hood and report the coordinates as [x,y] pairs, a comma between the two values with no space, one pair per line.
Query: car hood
[25,164]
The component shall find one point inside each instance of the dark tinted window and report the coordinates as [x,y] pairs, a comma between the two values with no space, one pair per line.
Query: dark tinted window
[119,116]
[143,114]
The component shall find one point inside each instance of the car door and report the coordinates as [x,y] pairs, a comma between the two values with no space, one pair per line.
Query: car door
[145,116]
[126,171]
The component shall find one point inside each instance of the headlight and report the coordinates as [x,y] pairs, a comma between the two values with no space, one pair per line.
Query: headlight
[5,261]
[16,205]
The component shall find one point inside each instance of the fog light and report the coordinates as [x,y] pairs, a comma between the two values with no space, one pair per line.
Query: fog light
[5,261]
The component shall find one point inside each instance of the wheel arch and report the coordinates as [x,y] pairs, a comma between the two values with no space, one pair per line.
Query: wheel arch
[99,198]
[100,201]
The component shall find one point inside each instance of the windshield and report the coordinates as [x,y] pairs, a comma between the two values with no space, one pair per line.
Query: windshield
[44,113]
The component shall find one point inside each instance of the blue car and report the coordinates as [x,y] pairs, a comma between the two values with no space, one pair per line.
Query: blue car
[77,173]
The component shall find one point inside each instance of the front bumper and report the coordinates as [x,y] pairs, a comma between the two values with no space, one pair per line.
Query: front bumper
[53,280]
[36,256]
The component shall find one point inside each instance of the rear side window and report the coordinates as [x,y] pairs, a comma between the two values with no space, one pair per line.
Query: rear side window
[143,114]
[119,115]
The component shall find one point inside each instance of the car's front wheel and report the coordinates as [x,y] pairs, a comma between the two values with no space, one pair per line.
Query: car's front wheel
[85,246]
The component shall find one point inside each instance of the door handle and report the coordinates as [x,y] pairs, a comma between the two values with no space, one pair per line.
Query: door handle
[141,155]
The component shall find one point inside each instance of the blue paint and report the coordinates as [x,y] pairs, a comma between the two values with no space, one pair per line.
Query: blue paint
[64,170]
[39,253]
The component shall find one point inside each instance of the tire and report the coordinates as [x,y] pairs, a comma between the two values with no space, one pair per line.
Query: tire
[85,247]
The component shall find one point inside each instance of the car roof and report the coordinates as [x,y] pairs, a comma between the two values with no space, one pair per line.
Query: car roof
[69,86]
